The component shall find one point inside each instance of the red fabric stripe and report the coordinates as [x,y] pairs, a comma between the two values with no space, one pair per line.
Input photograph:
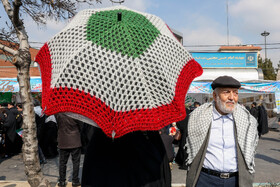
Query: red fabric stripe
[44,59]
[69,100]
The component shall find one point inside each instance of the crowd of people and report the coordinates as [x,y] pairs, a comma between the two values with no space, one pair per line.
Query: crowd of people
[10,123]
[58,135]
[216,144]
[11,120]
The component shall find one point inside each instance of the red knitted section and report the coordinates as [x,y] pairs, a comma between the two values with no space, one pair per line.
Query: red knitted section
[69,100]
[44,59]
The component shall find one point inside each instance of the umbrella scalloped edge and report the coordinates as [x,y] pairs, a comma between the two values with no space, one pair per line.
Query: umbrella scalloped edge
[65,99]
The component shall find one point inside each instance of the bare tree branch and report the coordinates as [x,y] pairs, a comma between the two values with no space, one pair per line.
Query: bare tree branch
[8,8]
[7,49]
[41,11]
[17,4]
[13,14]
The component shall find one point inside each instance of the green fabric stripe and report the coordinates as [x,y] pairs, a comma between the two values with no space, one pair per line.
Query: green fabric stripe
[131,36]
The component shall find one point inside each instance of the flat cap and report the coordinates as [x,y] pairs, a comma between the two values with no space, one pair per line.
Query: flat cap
[225,82]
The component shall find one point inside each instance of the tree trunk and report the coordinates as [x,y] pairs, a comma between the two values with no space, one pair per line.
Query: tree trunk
[30,143]
[22,61]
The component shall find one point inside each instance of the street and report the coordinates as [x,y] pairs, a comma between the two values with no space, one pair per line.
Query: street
[267,166]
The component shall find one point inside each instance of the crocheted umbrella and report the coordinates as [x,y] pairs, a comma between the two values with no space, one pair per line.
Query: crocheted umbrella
[121,69]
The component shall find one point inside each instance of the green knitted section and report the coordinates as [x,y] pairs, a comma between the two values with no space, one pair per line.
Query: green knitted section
[131,36]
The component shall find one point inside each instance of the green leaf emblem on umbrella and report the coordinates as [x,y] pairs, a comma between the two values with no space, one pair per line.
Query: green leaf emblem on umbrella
[131,35]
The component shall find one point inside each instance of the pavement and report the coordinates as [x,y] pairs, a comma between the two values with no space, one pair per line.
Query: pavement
[267,167]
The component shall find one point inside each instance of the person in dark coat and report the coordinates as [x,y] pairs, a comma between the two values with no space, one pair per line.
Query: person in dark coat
[262,121]
[86,134]
[13,141]
[2,135]
[167,141]
[46,133]
[19,116]
[137,159]
[40,121]
[48,141]
[181,155]
[69,142]
[254,110]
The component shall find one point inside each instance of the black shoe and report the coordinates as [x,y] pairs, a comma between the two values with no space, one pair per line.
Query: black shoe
[63,184]
[76,184]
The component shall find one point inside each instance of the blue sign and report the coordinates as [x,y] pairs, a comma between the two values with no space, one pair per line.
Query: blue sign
[226,60]
[267,87]
[11,85]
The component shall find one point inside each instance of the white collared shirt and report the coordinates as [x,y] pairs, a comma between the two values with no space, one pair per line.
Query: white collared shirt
[221,152]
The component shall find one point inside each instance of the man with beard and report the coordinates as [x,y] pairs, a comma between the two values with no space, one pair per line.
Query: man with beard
[222,140]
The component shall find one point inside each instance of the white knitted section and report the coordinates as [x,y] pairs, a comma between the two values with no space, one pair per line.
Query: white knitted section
[65,43]
[123,83]
[70,38]
[73,36]
[161,65]
[160,25]
[80,19]
[109,76]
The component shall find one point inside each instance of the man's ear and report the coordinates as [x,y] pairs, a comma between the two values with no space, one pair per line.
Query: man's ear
[214,95]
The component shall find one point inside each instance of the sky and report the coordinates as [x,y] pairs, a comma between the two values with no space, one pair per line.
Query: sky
[203,23]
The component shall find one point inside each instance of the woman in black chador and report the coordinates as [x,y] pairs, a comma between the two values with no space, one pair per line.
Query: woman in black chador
[136,159]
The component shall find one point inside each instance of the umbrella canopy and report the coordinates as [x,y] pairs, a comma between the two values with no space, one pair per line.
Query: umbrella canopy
[122,69]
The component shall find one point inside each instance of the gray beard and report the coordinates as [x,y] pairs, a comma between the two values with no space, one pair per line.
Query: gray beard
[222,106]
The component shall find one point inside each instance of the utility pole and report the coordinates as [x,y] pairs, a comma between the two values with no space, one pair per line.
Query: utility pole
[227,26]
[265,34]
